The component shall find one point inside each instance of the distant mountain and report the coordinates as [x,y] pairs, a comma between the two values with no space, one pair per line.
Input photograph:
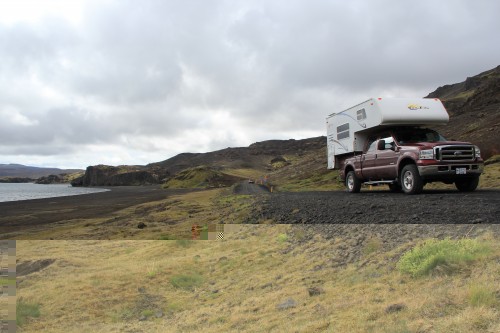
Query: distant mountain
[19,170]
[474,108]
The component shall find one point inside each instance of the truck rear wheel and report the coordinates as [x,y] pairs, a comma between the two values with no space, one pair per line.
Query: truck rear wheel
[467,185]
[352,183]
[411,182]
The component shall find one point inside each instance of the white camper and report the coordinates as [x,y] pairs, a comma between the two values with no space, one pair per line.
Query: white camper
[347,131]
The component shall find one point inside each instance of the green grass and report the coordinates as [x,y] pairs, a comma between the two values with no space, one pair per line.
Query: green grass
[26,310]
[186,281]
[325,180]
[197,177]
[441,256]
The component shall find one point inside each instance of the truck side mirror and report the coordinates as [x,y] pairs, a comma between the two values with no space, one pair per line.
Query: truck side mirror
[381,145]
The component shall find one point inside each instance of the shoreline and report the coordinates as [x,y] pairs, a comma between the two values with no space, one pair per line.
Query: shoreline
[18,215]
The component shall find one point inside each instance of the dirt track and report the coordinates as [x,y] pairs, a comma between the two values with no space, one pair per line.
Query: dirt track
[431,207]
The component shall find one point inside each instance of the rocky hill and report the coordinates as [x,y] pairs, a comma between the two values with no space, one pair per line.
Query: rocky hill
[256,157]
[474,108]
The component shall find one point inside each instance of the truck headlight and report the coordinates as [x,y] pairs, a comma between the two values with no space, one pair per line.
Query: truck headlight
[426,154]
[477,152]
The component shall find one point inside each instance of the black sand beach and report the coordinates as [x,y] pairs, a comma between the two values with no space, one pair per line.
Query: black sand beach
[16,215]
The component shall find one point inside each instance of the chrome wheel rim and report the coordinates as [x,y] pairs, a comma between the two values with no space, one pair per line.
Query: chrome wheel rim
[350,182]
[408,180]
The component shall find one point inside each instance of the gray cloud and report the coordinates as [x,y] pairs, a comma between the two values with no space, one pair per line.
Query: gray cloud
[162,77]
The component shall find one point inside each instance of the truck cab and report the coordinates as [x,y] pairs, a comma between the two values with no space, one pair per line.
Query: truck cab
[407,157]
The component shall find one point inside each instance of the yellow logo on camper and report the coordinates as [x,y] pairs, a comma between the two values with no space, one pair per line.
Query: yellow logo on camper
[416,107]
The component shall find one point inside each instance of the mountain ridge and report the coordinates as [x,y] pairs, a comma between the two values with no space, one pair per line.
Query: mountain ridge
[25,171]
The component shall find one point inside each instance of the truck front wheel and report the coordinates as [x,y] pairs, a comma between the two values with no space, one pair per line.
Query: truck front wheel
[467,185]
[411,182]
[352,183]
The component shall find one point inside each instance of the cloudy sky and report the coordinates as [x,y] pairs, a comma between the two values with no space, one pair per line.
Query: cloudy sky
[134,82]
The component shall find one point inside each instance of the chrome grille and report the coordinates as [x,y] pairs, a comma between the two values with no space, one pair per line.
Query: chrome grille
[454,153]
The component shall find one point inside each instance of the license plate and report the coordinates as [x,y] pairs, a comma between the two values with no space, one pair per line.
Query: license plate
[461,171]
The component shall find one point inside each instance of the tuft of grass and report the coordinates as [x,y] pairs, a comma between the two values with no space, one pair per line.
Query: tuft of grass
[26,310]
[282,238]
[443,255]
[480,295]
[152,270]
[186,281]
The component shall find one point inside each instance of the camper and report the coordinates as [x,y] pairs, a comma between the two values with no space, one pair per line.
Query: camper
[387,141]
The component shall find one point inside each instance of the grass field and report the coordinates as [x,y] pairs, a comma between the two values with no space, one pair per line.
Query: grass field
[257,279]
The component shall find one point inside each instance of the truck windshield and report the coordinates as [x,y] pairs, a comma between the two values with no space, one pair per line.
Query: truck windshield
[413,135]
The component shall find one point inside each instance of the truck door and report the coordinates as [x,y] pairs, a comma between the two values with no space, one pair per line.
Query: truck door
[386,160]
[368,160]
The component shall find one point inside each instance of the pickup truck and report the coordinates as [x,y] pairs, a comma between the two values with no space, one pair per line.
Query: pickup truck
[407,157]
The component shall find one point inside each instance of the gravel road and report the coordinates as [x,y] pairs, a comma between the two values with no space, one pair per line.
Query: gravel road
[249,188]
[431,207]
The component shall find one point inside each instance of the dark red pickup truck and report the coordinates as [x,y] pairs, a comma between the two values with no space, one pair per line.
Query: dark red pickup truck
[408,157]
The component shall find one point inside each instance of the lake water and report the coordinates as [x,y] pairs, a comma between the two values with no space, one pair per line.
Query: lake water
[28,191]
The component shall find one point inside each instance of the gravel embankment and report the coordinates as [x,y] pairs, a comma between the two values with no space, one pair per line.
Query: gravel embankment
[431,207]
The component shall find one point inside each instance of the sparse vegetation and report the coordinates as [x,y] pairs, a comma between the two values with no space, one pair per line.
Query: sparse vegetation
[240,281]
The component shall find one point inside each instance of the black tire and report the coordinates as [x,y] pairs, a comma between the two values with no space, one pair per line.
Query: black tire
[467,184]
[411,182]
[352,183]
[395,188]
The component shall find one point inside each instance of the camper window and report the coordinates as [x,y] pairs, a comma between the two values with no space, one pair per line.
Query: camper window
[343,131]
[361,114]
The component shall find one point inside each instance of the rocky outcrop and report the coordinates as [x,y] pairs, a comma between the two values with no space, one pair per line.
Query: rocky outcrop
[105,175]
[51,179]
[16,180]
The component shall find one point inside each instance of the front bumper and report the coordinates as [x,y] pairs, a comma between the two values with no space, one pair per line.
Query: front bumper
[450,171]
